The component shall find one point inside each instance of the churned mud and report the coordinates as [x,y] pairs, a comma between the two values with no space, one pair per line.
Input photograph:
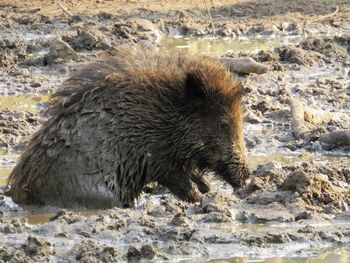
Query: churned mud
[294,61]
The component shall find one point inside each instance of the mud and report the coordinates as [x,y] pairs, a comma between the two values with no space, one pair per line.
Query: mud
[297,201]
[284,210]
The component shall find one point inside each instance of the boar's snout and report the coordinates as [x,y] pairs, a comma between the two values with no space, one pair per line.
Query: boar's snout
[235,172]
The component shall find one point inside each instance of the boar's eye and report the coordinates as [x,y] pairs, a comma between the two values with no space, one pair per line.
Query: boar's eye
[224,124]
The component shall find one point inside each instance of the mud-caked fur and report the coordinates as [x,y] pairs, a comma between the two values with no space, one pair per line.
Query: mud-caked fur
[129,119]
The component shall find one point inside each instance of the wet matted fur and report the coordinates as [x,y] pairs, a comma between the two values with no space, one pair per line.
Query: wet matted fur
[129,119]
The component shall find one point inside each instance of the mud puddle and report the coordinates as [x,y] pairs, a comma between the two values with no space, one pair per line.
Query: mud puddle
[335,256]
[40,215]
[37,216]
[254,160]
[33,103]
[218,46]
[287,158]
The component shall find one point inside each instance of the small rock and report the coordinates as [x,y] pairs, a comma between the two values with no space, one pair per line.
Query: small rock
[60,51]
[148,252]
[35,84]
[267,168]
[35,247]
[244,65]
[179,220]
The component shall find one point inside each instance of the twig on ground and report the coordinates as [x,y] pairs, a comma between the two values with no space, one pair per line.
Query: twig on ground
[65,10]
[211,19]
[200,10]
[328,16]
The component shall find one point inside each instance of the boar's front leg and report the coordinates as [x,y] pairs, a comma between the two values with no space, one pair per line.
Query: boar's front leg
[202,184]
[182,187]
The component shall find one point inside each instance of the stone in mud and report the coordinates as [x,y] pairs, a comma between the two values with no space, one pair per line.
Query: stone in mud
[13,225]
[14,255]
[173,206]
[264,30]
[226,31]
[329,47]
[267,56]
[12,52]
[137,29]
[314,189]
[267,197]
[36,248]
[133,254]
[179,220]
[7,206]
[345,37]
[218,202]
[16,126]
[244,65]
[216,217]
[69,217]
[269,169]
[272,212]
[26,20]
[131,119]
[147,252]
[335,139]
[299,56]
[60,51]
[87,39]
[91,251]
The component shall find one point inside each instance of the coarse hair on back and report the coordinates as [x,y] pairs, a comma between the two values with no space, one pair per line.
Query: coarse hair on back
[142,68]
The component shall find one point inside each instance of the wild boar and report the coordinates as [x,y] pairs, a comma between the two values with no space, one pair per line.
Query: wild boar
[131,118]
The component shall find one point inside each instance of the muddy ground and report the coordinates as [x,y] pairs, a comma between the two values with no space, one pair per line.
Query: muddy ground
[297,201]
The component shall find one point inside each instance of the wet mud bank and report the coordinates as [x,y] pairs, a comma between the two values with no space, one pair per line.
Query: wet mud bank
[286,210]
[295,66]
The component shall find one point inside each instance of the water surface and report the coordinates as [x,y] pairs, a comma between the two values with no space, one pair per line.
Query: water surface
[218,46]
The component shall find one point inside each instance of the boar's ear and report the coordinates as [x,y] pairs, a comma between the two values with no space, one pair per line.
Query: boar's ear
[194,87]
[238,93]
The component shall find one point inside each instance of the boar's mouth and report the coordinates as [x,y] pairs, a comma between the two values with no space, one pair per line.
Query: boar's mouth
[236,173]
[233,171]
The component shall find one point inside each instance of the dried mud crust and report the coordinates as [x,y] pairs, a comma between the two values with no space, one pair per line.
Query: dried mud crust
[307,196]
[308,73]
[16,127]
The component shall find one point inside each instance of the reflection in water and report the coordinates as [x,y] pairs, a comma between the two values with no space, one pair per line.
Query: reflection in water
[31,104]
[339,256]
[4,173]
[255,160]
[35,217]
[220,46]
[232,228]
[8,159]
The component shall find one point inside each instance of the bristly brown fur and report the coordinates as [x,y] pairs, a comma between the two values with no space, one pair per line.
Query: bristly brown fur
[131,118]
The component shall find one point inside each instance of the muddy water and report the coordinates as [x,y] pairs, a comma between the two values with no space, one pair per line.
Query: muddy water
[254,160]
[218,46]
[4,173]
[41,215]
[26,103]
[37,216]
[336,256]
[287,158]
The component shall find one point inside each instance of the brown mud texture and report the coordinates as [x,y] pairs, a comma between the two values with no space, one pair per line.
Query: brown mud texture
[297,106]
